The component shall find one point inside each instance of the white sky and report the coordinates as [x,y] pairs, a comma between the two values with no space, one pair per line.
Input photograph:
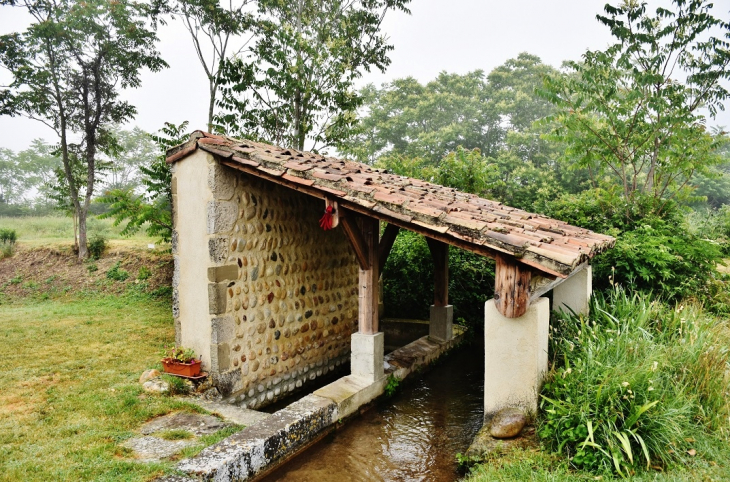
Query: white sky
[454,36]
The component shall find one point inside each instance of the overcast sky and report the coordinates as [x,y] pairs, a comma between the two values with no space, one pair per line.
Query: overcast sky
[453,36]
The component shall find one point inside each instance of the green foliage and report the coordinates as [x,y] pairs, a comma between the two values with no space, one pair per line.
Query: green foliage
[408,119]
[97,246]
[634,385]
[408,281]
[117,273]
[626,117]
[68,68]
[176,434]
[416,167]
[465,462]
[654,254]
[178,386]
[154,208]
[8,236]
[391,386]
[298,83]
[179,353]
[466,170]
[92,267]
[662,258]
[144,273]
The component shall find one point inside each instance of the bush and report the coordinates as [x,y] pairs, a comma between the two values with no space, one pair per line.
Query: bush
[660,258]
[8,237]
[408,281]
[117,273]
[144,273]
[96,246]
[634,385]
[652,253]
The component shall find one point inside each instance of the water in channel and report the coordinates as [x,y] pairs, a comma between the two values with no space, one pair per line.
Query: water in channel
[411,437]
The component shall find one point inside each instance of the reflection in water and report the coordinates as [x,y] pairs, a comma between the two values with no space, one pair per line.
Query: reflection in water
[410,438]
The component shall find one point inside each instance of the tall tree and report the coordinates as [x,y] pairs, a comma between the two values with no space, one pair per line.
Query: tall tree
[67,68]
[39,162]
[298,85]
[152,209]
[406,118]
[212,26]
[12,178]
[135,149]
[633,112]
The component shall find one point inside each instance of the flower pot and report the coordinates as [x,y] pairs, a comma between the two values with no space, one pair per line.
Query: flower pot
[175,367]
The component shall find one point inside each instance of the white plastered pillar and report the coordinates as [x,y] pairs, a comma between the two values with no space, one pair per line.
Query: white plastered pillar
[575,292]
[515,357]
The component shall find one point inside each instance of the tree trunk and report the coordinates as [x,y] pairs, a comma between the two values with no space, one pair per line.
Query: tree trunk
[83,246]
[211,103]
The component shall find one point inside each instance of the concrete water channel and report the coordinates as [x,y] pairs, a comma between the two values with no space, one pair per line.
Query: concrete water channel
[411,437]
[350,430]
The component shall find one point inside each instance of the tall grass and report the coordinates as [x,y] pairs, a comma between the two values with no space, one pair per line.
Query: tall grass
[637,384]
[59,228]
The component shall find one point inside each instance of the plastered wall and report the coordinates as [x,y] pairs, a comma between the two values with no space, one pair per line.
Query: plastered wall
[266,296]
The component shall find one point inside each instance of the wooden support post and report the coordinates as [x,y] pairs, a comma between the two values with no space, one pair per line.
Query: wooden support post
[386,244]
[440,255]
[511,287]
[368,292]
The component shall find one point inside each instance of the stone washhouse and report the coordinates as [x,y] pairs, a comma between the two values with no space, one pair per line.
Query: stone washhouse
[271,301]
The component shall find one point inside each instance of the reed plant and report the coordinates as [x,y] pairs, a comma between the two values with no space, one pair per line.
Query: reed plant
[637,385]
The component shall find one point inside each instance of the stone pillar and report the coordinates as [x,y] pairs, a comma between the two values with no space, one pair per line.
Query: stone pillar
[515,356]
[575,292]
[440,326]
[368,352]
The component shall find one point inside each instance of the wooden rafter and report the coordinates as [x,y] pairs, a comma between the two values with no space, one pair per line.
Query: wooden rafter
[386,244]
[353,234]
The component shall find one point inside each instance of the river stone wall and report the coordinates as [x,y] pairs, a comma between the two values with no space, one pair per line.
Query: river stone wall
[281,293]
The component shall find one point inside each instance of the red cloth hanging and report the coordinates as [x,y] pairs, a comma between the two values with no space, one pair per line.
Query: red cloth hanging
[326,221]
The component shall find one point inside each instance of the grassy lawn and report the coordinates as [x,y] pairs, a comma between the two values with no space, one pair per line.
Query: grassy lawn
[58,230]
[70,390]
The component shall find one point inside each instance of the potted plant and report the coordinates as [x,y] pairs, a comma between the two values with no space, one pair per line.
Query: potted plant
[181,361]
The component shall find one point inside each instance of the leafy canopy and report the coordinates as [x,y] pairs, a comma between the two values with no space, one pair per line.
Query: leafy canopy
[633,113]
[297,85]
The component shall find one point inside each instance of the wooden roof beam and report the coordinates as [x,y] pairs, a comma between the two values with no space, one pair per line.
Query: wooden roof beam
[511,287]
[354,236]
[386,244]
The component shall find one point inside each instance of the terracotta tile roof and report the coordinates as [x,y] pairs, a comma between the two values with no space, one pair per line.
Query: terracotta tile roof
[465,220]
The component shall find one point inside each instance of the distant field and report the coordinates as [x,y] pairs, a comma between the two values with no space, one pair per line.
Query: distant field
[58,230]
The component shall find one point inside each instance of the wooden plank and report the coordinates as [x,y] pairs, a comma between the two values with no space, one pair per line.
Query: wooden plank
[440,255]
[386,244]
[511,287]
[352,231]
[541,284]
[368,288]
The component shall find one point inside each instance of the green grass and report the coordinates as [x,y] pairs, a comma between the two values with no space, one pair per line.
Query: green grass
[44,230]
[541,466]
[176,434]
[638,389]
[70,391]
